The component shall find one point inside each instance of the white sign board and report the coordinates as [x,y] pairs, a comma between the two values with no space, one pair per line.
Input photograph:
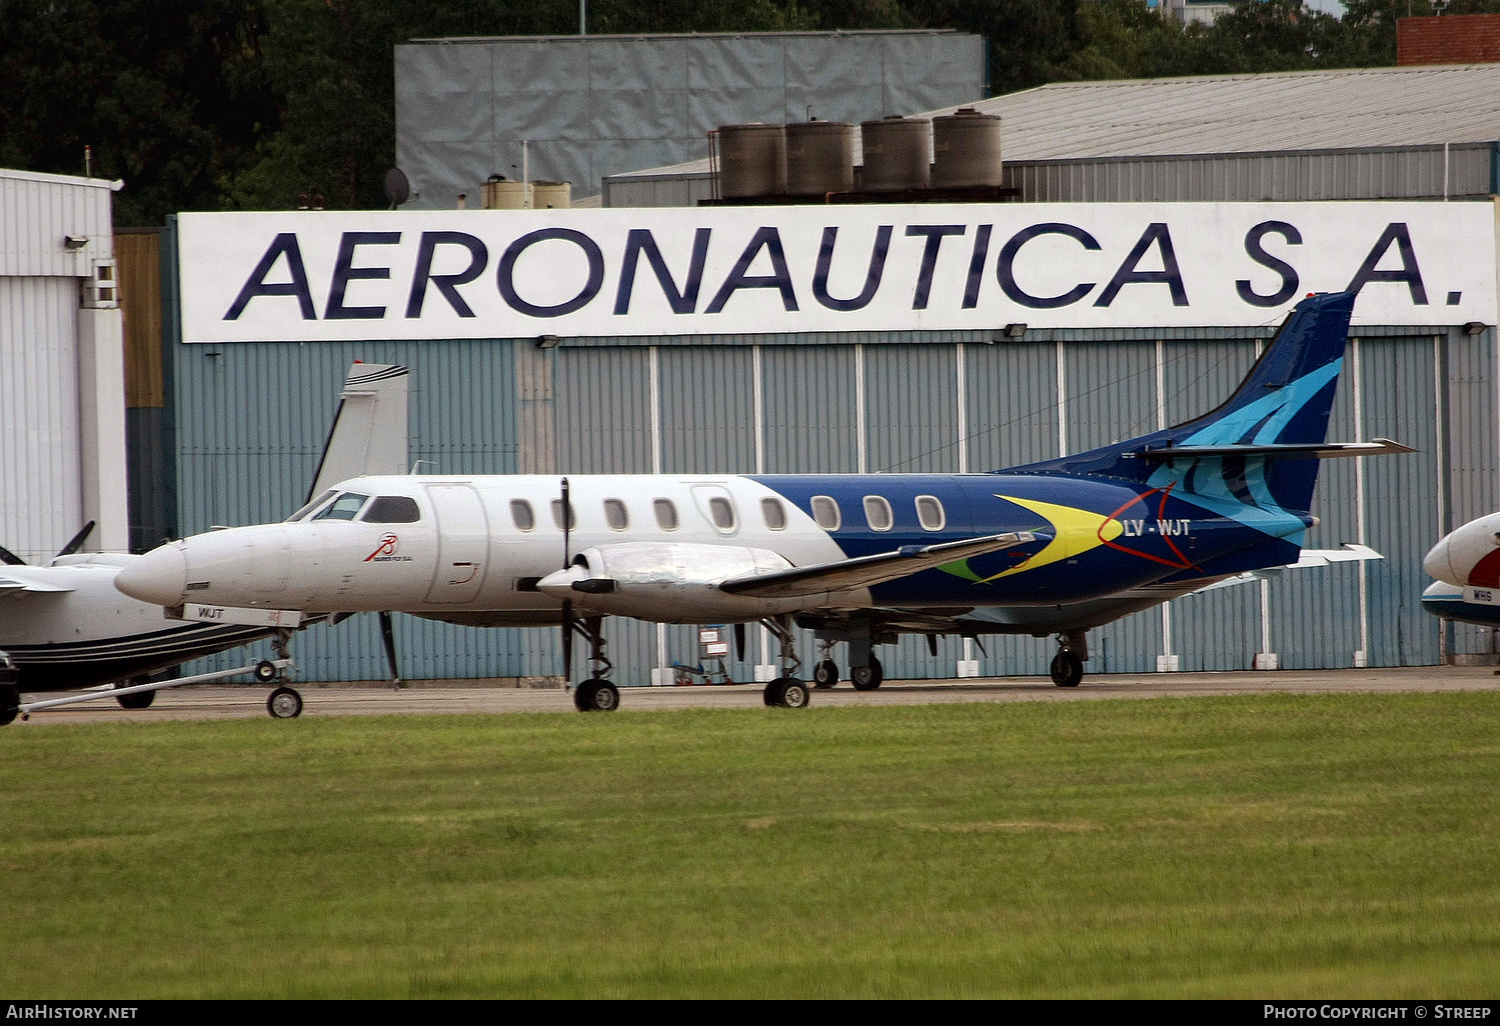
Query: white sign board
[311,276]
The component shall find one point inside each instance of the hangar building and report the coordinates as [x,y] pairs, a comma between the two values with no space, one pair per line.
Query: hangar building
[1215,176]
[62,385]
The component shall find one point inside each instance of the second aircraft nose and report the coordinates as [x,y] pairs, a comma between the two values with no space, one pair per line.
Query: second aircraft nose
[159,577]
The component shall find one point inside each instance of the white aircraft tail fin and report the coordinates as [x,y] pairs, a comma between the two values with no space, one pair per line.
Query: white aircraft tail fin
[369,433]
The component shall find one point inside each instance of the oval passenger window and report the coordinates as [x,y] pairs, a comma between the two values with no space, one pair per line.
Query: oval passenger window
[825,512]
[521,515]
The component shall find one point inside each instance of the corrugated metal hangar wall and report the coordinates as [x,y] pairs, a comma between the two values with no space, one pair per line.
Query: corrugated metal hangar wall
[591,106]
[62,389]
[251,417]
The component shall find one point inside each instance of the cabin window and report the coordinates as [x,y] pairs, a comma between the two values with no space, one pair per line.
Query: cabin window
[393,509]
[721,512]
[773,513]
[930,513]
[345,507]
[825,511]
[615,515]
[666,514]
[305,510]
[878,513]
[557,515]
[521,515]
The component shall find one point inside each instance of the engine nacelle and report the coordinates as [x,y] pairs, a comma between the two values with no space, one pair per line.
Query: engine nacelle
[671,582]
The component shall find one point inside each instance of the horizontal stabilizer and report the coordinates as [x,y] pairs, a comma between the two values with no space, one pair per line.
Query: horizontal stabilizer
[1324,450]
[1350,552]
[866,571]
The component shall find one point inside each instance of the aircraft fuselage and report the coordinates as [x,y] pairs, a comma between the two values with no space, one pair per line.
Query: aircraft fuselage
[475,549]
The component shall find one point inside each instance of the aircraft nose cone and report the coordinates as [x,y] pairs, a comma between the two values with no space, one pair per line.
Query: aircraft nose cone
[159,577]
[1436,563]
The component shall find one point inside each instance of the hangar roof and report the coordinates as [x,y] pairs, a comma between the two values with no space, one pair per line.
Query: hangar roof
[1361,108]
[1297,110]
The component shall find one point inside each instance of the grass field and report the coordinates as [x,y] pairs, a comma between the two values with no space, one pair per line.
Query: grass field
[1261,847]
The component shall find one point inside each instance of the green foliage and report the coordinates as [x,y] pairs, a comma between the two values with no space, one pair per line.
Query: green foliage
[254,104]
[1263,846]
[170,96]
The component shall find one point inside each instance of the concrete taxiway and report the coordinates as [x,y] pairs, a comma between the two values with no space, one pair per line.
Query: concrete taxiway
[366,699]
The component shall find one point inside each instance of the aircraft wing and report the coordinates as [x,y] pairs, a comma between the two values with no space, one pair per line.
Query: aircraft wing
[865,571]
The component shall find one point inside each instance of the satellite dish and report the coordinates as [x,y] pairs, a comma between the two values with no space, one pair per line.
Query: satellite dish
[397,188]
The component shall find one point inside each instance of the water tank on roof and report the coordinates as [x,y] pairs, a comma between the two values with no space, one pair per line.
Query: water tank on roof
[819,158]
[965,149]
[551,195]
[500,193]
[898,154]
[752,160]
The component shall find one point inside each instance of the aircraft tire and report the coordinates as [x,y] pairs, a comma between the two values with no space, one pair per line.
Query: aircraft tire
[787,693]
[826,674]
[596,696]
[139,700]
[284,704]
[1067,669]
[265,671]
[867,678]
[10,703]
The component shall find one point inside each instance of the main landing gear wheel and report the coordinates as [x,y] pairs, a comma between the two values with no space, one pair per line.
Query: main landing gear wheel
[10,703]
[867,678]
[265,671]
[139,700]
[787,693]
[826,674]
[596,696]
[284,704]
[1067,669]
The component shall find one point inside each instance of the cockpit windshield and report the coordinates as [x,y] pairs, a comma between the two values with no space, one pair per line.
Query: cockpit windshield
[305,510]
[345,507]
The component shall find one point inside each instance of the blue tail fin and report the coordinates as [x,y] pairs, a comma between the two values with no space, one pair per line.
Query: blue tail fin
[1246,450]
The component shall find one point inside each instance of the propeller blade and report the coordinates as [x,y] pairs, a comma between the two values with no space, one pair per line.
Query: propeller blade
[567,643]
[739,641]
[78,540]
[567,522]
[9,558]
[932,643]
[388,635]
[567,607]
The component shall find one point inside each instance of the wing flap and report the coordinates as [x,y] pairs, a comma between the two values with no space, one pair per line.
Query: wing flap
[865,571]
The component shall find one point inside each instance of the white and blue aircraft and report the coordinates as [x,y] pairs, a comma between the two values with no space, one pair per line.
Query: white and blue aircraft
[1056,547]
[65,626]
[1466,564]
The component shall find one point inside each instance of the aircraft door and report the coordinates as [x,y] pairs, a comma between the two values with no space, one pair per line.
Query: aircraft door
[463,542]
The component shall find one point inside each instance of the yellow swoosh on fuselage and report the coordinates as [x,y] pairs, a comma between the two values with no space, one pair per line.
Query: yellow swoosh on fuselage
[1075,531]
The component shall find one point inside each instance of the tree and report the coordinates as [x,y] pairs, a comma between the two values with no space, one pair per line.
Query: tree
[168,96]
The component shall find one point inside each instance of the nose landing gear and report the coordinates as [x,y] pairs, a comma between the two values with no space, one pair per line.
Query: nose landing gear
[284,703]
